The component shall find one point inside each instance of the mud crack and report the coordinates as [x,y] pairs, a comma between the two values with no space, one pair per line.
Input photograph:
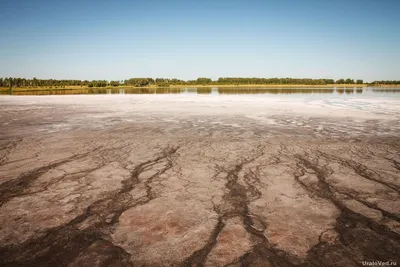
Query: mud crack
[62,245]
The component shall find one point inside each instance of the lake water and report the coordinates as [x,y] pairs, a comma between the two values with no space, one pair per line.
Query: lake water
[339,92]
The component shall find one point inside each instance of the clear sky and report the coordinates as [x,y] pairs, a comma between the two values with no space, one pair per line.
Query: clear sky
[200,38]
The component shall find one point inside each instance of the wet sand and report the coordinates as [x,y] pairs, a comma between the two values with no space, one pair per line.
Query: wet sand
[173,180]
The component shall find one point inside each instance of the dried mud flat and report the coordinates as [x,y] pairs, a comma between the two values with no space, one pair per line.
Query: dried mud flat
[198,181]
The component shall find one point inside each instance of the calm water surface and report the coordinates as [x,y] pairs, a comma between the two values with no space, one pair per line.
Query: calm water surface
[338,92]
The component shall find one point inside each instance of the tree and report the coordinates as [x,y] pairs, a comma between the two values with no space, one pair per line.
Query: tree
[359,81]
[340,81]
[329,81]
[114,83]
[8,82]
[203,81]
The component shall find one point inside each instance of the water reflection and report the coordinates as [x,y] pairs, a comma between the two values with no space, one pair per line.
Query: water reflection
[348,91]
[276,91]
[208,91]
[385,90]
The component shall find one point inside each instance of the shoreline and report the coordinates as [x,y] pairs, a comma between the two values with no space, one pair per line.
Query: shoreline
[227,86]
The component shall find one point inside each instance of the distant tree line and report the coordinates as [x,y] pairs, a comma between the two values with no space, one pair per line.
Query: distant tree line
[22,82]
[143,82]
[165,82]
[377,83]
[348,81]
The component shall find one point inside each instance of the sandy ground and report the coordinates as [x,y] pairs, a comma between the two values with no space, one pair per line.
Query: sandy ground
[177,180]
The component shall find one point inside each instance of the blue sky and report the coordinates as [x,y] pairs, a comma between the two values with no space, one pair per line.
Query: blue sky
[190,39]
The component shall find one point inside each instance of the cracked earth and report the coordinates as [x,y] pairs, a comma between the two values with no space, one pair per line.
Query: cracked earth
[198,181]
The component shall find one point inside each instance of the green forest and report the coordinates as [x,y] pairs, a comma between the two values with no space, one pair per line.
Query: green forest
[166,82]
